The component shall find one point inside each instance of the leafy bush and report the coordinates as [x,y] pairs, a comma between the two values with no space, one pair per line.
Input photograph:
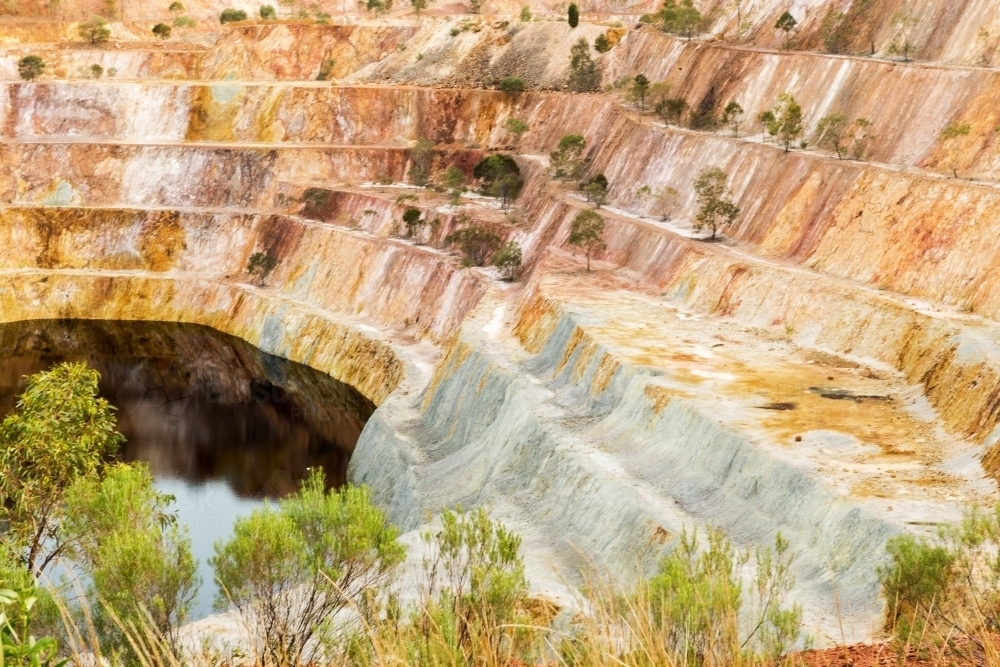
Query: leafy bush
[95,31]
[326,69]
[602,44]
[714,209]
[316,201]
[136,557]
[500,176]
[232,16]
[267,12]
[915,584]
[583,74]
[288,570]
[512,85]
[573,15]
[59,433]
[30,67]
[671,110]
[183,22]
[161,30]
[477,243]
[683,19]
[261,264]
[508,260]
[414,223]
[525,13]
[566,162]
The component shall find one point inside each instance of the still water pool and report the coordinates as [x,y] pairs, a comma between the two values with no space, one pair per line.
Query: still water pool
[222,424]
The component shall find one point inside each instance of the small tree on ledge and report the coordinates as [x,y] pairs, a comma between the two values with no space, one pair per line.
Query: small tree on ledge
[260,265]
[587,233]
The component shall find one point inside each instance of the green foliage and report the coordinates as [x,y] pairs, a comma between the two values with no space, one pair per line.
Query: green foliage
[525,13]
[583,74]
[512,85]
[508,260]
[915,582]
[95,31]
[421,156]
[161,30]
[232,16]
[477,243]
[413,222]
[30,67]
[183,22]
[786,23]
[516,127]
[683,19]
[267,12]
[732,115]
[602,44]
[695,598]
[261,264]
[59,433]
[640,88]
[316,200]
[714,209]
[475,6]
[326,69]
[587,232]
[836,132]
[567,161]
[500,176]
[289,570]
[785,121]
[18,645]
[378,6]
[671,109]
[96,71]
[573,15]
[137,559]
[474,585]
[834,31]
[175,7]
[596,190]
[418,6]
[453,178]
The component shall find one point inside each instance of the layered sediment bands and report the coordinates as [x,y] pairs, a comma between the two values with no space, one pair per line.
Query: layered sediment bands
[125,64]
[78,174]
[329,268]
[290,329]
[298,51]
[572,444]
[908,103]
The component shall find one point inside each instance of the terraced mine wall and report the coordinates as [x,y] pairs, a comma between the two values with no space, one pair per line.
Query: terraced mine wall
[830,370]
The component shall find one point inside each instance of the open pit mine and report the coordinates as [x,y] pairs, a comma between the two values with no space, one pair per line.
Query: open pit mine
[817,355]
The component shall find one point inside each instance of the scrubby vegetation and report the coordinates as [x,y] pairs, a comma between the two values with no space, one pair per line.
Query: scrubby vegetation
[314,577]
[30,67]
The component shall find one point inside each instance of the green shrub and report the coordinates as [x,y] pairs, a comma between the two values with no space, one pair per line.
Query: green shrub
[260,265]
[525,13]
[512,85]
[161,30]
[477,243]
[573,15]
[95,31]
[508,260]
[267,12]
[583,74]
[915,584]
[183,22]
[602,44]
[137,559]
[326,69]
[567,162]
[60,432]
[500,176]
[232,16]
[288,570]
[30,67]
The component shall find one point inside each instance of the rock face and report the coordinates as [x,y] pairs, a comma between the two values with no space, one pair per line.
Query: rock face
[830,370]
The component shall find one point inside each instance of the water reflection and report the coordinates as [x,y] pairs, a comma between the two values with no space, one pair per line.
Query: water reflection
[197,404]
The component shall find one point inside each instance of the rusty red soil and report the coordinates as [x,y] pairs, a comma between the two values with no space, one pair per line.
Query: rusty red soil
[959,653]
